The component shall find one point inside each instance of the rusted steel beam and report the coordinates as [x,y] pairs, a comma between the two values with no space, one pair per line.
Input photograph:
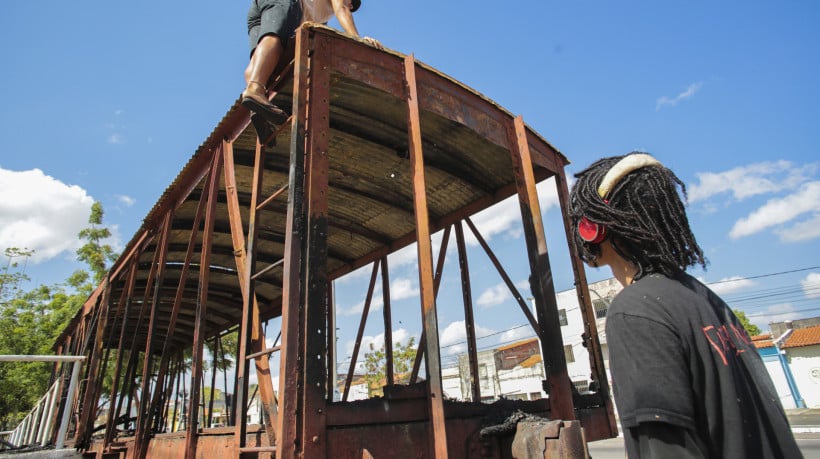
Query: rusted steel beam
[248,295]
[156,396]
[388,324]
[557,384]
[330,345]
[113,273]
[360,333]
[435,393]
[202,306]
[316,294]
[114,397]
[510,285]
[469,320]
[442,252]
[143,416]
[89,407]
[591,337]
[288,423]
[264,381]
[272,197]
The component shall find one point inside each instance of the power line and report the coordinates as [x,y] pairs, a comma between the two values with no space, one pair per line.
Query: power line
[764,275]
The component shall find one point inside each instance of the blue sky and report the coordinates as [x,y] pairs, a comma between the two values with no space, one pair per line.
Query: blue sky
[108,100]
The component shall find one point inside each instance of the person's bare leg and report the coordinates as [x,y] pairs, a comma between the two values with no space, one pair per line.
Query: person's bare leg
[263,62]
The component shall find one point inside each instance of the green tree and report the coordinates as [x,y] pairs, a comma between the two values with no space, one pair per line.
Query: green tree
[751,329]
[13,274]
[94,252]
[375,365]
[31,321]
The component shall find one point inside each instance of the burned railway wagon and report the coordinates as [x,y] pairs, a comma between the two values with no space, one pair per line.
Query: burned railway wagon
[257,227]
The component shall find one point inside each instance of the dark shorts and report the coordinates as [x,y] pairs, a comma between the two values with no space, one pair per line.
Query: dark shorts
[273,17]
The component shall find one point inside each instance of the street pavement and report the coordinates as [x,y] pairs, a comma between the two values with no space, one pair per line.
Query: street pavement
[805,424]
[804,420]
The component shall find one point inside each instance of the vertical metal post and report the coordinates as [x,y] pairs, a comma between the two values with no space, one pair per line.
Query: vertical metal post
[202,305]
[588,311]
[113,405]
[316,298]
[360,333]
[442,252]
[248,295]
[425,257]
[54,403]
[288,422]
[262,362]
[469,320]
[89,407]
[388,324]
[69,403]
[557,384]
[143,416]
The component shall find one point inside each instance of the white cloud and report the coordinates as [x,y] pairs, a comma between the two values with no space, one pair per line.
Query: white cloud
[751,180]
[730,285]
[453,339]
[494,296]
[505,217]
[672,101]
[41,213]
[811,285]
[802,231]
[376,304]
[401,289]
[116,139]
[776,313]
[128,201]
[516,334]
[779,211]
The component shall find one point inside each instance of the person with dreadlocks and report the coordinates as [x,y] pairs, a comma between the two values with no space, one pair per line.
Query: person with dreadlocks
[688,382]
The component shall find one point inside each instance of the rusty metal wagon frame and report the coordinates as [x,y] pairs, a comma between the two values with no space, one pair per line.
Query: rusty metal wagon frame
[380,152]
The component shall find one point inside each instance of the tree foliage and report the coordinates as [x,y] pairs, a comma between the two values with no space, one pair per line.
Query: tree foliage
[31,321]
[751,329]
[375,364]
[94,252]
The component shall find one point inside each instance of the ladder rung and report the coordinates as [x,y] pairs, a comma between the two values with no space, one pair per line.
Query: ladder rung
[266,351]
[257,449]
[272,197]
[268,269]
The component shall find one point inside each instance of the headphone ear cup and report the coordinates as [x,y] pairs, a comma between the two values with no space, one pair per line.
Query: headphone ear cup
[590,231]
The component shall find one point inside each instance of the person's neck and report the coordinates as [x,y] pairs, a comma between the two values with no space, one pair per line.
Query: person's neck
[625,272]
[622,269]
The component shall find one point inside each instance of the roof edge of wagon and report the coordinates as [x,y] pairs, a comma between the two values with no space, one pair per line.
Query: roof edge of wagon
[232,124]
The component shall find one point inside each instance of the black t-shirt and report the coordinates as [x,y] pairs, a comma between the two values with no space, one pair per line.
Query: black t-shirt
[680,357]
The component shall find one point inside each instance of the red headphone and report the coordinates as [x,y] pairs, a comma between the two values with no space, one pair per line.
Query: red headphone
[595,233]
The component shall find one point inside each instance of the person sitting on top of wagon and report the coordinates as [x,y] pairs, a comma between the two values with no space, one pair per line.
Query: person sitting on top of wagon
[271,23]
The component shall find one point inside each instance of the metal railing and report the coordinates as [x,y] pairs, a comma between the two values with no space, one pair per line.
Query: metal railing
[37,427]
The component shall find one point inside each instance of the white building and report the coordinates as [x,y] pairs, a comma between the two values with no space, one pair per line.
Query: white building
[802,348]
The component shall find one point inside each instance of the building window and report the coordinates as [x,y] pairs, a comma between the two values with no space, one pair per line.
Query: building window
[581,386]
[562,317]
[600,308]
[568,355]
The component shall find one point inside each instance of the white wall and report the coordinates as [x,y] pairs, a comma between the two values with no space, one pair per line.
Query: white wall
[805,366]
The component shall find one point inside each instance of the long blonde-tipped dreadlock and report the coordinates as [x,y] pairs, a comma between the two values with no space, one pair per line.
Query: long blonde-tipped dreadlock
[644,216]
